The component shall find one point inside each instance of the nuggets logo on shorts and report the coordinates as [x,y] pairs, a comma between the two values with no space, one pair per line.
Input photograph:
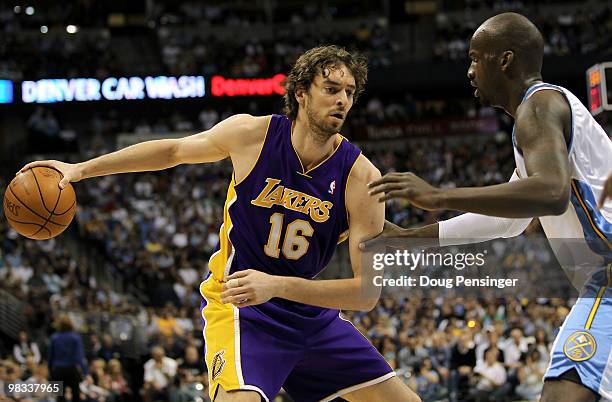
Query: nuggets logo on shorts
[580,346]
[218,363]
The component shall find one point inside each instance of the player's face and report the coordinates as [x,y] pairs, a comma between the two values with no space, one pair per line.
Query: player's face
[475,74]
[480,73]
[329,100]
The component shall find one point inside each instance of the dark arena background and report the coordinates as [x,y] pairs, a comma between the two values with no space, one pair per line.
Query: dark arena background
[83,78]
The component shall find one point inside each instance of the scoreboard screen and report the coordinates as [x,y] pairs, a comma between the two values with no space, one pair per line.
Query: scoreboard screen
[597,92]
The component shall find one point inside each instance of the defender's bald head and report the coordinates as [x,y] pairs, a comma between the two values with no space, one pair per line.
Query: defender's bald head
[512,32]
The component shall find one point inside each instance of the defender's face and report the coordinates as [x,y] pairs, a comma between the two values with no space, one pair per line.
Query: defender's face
[330,98]
[479,73]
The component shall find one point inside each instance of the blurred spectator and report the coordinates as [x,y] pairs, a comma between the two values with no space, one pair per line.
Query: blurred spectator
[492,340]
[159,374]
[44,131]
[188,389]
[193,363]
[2,377]
[530,376]
[25,348]
[440,354]
[491,381]
[12,375]
[173,348]
[542,345]
[66,357]
[462,363]
[167,324]
[426,381]
[97,372]
[93,351]
[192,381]
[96,384]
[108,350]
[564,34]
[40,375]
[208,118]
[117,382]
[28,368]
[513,348]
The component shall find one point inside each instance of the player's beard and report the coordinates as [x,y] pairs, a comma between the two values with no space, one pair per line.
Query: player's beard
[319,126]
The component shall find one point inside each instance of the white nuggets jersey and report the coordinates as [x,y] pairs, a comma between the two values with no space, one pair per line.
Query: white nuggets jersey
[590,158]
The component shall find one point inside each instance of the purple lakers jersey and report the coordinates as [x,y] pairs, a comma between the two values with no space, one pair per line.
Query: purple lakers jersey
[282,219]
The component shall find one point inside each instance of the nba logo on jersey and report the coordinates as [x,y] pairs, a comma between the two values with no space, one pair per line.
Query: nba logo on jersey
[332,187]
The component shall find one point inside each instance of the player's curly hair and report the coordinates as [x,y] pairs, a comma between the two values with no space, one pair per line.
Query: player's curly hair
[320,60]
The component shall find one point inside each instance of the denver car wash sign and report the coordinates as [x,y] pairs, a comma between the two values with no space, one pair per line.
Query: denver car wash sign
[112,89]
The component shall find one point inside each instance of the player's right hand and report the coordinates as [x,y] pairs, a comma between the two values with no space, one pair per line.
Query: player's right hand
[70,171]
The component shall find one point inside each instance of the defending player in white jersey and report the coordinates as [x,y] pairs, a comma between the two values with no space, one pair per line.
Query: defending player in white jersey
[563,158]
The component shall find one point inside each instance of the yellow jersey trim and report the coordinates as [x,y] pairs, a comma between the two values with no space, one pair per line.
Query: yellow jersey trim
[221,339]
[219,262]
[346,183]
[598,297]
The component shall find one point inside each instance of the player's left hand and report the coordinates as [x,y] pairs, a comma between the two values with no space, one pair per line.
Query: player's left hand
[248,288]
[408,186]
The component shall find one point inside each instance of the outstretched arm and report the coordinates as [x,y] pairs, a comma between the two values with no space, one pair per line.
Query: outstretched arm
[366,218]
[540,126]
[462,229]
[231,136]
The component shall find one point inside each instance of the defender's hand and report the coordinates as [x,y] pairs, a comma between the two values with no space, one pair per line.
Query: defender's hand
[70,171]
[408,186]
[379,242]
[249,287]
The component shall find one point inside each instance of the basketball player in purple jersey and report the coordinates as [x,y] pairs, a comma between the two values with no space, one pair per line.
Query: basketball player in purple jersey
[298,189]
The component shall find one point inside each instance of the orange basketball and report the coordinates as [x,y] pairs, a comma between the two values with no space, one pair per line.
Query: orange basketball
[36,207]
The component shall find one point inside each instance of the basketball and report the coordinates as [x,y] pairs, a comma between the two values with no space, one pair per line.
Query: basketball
[36,207]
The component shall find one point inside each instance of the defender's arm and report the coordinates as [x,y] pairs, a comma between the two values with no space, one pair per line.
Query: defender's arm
[462,229]
[540,126]
[539,133]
